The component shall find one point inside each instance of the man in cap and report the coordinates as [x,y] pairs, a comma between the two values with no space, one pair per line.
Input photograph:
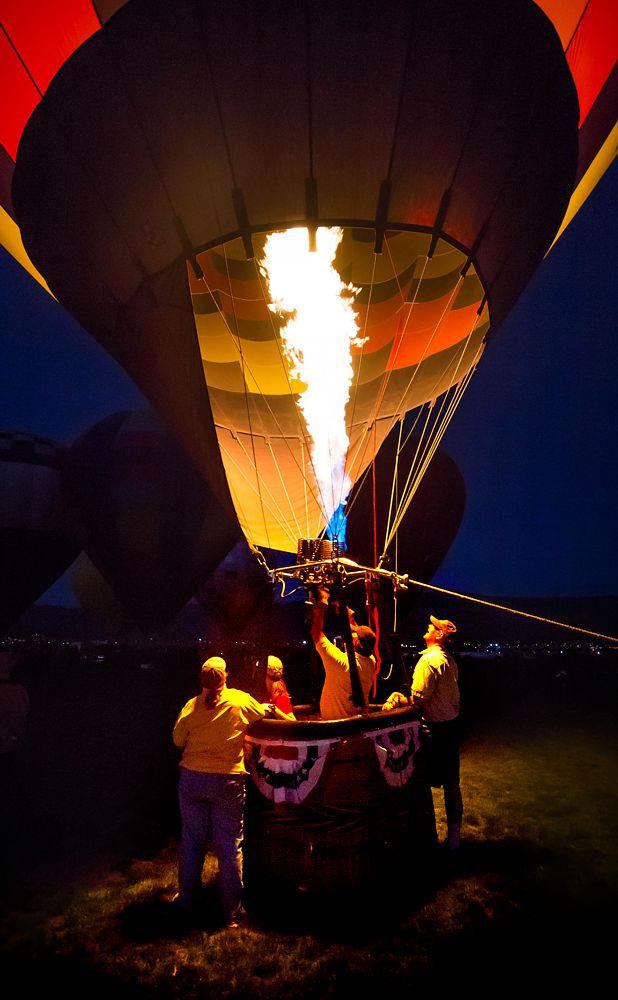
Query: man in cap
[210,732]
[435,690]
[336,701]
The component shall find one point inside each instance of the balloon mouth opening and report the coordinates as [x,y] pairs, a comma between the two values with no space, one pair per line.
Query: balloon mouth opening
[421,317]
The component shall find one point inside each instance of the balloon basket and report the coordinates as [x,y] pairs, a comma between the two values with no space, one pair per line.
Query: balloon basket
[334,806]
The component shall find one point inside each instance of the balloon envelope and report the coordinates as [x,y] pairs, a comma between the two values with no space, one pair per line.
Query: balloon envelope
[33,49]
[97,599]
[38,534]
[152,526]
[234,593]
[442,138]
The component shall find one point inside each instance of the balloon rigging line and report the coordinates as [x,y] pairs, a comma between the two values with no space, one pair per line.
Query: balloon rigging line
[466,377]
[242,517]
[267,500]
[397,519]
[285,490]
[246,393]
[514,611]
[356,460]
[275,510]
[463,382]
[401,336]
[434,436]
[23,64]
[302,457]
[394,498]
[408,492]
[402,507]
[456,397]
[385,377]
[416,473]
[246,367]
[373,499]
[398,337]
[360,480]
[360,356]
[429,343]
[419,282]
[203,38]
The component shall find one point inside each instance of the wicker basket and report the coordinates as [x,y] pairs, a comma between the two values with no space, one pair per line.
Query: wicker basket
[332,805]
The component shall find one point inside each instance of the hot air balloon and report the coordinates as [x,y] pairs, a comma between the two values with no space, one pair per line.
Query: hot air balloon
[427,150]
[38,533]
[440,140]
[151,524]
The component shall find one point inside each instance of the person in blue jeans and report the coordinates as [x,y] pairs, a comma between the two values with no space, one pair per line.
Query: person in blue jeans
[210,732]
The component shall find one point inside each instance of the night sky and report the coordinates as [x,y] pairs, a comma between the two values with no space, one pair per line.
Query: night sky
[534,437]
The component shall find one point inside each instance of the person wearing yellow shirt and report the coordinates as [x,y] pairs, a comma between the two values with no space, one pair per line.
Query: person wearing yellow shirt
[210,732]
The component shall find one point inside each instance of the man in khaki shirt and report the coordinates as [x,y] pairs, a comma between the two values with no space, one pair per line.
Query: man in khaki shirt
[435,690]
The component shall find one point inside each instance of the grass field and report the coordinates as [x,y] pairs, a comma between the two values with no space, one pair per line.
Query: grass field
[526,904]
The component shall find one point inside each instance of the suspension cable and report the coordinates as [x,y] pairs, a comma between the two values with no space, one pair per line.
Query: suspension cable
[273,509]
[513,611]
[434,436]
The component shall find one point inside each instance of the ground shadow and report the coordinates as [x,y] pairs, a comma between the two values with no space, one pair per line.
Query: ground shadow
[155,918]
[350,917]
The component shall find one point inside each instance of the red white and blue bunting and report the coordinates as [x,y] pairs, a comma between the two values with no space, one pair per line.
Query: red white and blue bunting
[396,750]
[284,771]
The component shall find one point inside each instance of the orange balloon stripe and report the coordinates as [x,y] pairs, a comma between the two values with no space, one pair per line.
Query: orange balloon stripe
[564,15]
[415,345]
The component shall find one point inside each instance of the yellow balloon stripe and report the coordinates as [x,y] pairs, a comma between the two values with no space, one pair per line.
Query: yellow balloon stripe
[10,238]
[591,178]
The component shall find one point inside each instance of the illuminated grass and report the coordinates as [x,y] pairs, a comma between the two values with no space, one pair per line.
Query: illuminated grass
[535,882]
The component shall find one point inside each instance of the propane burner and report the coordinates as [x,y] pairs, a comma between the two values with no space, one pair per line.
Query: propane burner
[315,559]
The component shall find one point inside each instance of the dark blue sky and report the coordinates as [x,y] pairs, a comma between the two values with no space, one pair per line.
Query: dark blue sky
[535,435]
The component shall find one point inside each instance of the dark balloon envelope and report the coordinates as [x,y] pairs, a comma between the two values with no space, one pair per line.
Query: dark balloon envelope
[38,535]
[234,594]
[97,600]
[429,525]
[441,137]
[152,526]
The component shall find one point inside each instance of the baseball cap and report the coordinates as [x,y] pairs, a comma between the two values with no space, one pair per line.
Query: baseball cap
[213,672]
[366,639]
[274,664]
[443,624]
